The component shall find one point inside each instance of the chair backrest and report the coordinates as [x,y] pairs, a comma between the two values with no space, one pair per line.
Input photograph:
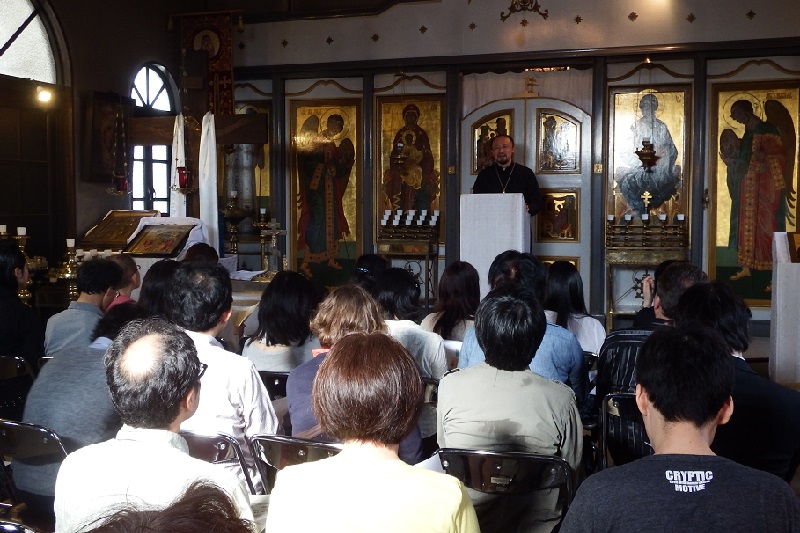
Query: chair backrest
[276,452]
[30,442]
[8,526]
[275,382]
[16,379]
[219,448]
[622,433]
[430,390]
[510,473]
[13,367]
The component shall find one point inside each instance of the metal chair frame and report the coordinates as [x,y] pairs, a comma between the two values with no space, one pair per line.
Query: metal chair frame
[275,382]
[276,452]
[217,449]
[621,405]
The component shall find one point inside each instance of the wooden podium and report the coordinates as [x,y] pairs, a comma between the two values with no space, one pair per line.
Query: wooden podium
[491,224]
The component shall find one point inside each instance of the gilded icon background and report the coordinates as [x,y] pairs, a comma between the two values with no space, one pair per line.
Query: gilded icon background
[559,143]
[483,133]
[559,219]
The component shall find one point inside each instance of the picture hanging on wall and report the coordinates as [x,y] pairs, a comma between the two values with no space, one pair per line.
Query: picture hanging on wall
[559,143]
[410,154]
[108,130]
[754,181]
[326,187]
[483,133]
[559,219]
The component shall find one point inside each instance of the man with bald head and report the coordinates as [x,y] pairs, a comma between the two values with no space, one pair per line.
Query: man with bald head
[153,375]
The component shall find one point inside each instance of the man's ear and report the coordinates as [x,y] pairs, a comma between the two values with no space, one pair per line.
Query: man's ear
[225,317]
[191,400]
[643,401]
[724,414]
[108,297]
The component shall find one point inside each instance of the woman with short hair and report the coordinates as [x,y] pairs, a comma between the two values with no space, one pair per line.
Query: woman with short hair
[367,394]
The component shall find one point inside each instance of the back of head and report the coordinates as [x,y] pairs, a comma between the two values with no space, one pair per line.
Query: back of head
[115,319]
[150,368]
[154,294]
[11,258]
[368,269]
[200,294]
[675,279]
[398,294]
[687,372]
[458,298]
[715,305]
[524,269]
[286,308]
[202,508]
[368,389]
[347,309]
[98,275]
[128,266]
[509,327]
[201,253]
[564,292]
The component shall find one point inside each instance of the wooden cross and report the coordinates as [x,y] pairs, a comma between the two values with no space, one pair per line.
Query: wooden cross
[646,197]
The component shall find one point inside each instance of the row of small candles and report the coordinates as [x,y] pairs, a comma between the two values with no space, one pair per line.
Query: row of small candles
[22,231]
[409,220]
[645,217]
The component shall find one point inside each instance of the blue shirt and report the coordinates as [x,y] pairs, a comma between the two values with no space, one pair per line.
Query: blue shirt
[559,358]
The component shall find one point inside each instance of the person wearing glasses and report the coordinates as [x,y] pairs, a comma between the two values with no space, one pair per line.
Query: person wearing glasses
[153,375]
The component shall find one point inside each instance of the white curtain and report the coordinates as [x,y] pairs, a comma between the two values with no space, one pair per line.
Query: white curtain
[177,201]
[208,179]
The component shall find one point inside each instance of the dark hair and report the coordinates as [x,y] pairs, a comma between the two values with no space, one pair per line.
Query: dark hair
[115,319]
[398,293]
[715,305]
[512,266]
[148,382]
[201,252]
[509,137]
[687,372]
[199,295]
[565,292]
[154,293]
[675,279]
[368,269]
[458,298]
[662,266]
[98,275]
[11,258]
[347,309]
[286,308]
[203,507]
[128,266]
[509,327]
[369,389]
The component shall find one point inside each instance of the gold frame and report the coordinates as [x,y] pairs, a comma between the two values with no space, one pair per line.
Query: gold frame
[573,143]
[543,231]
[548,260]
[489,121]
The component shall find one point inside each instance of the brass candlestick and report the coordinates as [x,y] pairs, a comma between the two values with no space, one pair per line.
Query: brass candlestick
[233,214]
[273,233]
[69,272]
[24,292]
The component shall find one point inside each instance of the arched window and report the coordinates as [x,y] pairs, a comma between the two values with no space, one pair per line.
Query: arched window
[25,50]
[152,92]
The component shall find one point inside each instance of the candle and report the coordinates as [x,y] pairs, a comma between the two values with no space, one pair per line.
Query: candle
[387,212]
[432,222]
[436,212]
[383,222]
[424,212]
[234,194]
[70,243]
[645,139]
[681,216]
[645,216]
[627,217]
[395,222]
[399,212]
[263,210]
[21,231]
[3,228]
[662,216]
[610,218]
[412,212]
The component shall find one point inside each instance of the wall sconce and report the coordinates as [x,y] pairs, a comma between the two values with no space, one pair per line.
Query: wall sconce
[518,6]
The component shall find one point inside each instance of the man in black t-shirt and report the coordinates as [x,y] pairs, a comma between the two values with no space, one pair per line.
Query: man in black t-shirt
[685,379]
[506,176]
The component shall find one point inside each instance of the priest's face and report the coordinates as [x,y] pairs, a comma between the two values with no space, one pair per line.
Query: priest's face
[503,150]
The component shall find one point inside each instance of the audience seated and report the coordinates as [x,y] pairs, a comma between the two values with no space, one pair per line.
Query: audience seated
[72,328]
[565,306]
[617,362]
[70,396]
[684,393]
[201,253]
[347,309]
[234,399]
[398,293]
[457,299]
[501,405]
[131,279]
[283,339]
[369,267]
[21,332]
[559,356]
[154,295]
[203,508]
[367,394]
[153,374]
[646,316]
[764,431]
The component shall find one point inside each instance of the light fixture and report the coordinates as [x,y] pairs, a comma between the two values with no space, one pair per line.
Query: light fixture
[43,94]
[518,6]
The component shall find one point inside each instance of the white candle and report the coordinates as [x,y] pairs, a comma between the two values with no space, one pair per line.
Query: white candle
[3,228]
[646,139]
[610,218]
[681,216]
[627,217]
[21,231]
[436,212]
[662,216]
[424,212]
[93,252]
[399,212]
[432,222]
[412,212]
[383,222]
[70,243]
[387,212]
[645,216]
[419,222]
[395,222]
[234,194]
[262,210]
